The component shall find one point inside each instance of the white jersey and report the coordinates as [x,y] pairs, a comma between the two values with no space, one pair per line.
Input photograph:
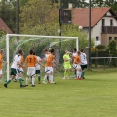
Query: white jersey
[46,56]
[74,54]
[37,66]
[83,58]
[15,62]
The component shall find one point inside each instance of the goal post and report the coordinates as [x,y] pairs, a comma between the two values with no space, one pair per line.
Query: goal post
[53,40]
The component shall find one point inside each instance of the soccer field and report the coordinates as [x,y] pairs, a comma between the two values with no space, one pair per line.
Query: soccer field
[93,97]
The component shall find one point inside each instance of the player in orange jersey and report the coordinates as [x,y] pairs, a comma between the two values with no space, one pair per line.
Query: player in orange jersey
[50,63]
[1,61]
[31,60]
[77,62]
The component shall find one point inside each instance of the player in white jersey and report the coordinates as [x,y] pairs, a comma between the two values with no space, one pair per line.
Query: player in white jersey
[37,68]
[84,61]
[47,53]
[74,54]
[14,69]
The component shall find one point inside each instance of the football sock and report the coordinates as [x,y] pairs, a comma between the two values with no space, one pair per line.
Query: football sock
[20,81]
[8,81]
[26,81]
[33,81]
[39,78]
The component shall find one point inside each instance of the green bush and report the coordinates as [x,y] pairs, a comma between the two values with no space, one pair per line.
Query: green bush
[100,47]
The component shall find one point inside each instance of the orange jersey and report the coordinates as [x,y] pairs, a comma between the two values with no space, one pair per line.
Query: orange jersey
[77,59]
[31,60]
[21,61]
[50,60]
[1,58]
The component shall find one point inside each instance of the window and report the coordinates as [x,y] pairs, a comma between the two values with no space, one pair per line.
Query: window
[115,38]
[111,22]
[110,38]
[97,38]
[103,22]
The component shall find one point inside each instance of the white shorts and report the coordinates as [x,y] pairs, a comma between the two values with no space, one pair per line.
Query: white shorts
[74,66]
[21,70]
[1,71]
[78,66]
[31,71]
[48,69]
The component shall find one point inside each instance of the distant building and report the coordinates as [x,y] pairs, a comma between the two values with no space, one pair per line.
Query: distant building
[4,27]
[103,23]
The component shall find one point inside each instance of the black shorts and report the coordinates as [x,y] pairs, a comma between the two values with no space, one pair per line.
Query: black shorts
[83,66]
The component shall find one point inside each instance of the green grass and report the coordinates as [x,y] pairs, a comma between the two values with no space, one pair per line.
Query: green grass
[93,97]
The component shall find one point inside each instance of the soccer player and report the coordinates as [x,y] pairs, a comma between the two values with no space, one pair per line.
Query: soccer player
[1,61]
[84,62]
[50,63]
[37,68]
[20,67]
[74,54]
[14,69]
[67,65]
[77,62]
[31,60]
[46,51]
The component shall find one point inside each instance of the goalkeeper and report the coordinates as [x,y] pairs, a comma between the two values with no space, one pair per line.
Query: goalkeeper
[67,65]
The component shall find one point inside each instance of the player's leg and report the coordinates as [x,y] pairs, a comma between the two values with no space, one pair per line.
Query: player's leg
[33,76]
[13,74]
[79,72]
[1,74]
[51,80]
[39,76]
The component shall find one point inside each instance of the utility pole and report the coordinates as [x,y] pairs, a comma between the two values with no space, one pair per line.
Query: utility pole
[17,17]
[89,62]
[59,31]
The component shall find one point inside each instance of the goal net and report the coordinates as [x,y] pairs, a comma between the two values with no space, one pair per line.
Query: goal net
[38,43]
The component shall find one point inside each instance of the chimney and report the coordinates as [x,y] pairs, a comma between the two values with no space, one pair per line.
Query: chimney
[69,5]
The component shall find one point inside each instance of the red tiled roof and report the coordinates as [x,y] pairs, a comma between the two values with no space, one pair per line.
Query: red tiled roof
[81,15]
[4,27]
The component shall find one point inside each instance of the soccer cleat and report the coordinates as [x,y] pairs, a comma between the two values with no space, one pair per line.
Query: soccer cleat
[33,85]
[15,80]
[5,85]
[22,79]
[53,82]
[39,83]
[25,85]
[44,82]
[22,86]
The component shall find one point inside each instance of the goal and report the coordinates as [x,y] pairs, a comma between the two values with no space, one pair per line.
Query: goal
[38,43]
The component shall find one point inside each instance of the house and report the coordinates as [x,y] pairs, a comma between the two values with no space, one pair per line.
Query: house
[4,27]
[103,23]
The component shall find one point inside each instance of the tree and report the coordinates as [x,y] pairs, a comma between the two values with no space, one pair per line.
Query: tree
[37,12]
[97,3]
[8,13]
[113,52]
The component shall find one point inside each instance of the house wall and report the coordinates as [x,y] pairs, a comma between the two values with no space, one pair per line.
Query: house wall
[105,38]
[97,30]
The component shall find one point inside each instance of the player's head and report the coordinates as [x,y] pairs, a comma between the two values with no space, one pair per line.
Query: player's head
[31,51]
[74,50]
[78,52]
[81,50]
[20,51]
[34,53]
[1,51]
[67,52]
[46,51]
[51,50]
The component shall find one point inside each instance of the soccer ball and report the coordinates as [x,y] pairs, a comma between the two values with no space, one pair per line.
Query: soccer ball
[80,27]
